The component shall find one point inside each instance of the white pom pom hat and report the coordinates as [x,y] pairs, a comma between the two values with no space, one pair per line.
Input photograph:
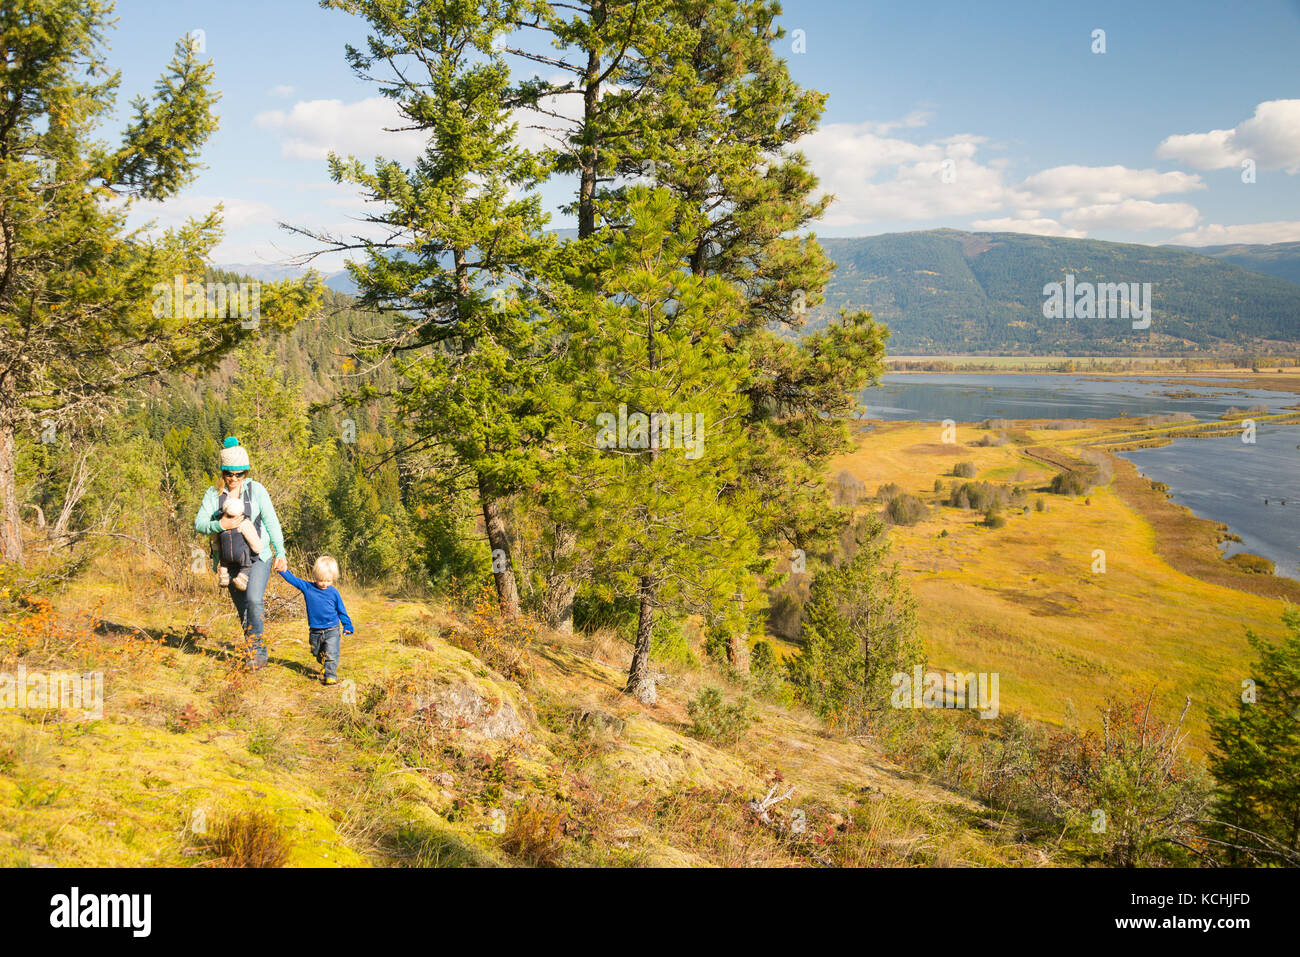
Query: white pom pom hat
[234,457]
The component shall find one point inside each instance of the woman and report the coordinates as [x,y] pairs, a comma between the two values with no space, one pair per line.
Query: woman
[249,603]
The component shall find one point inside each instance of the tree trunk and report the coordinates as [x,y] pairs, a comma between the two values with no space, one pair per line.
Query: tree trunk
[11,528]
[640,682]
[561,583]
[588,154]
[738,639]
[503,569]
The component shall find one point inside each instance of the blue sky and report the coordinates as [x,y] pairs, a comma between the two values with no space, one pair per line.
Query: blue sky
[993,116]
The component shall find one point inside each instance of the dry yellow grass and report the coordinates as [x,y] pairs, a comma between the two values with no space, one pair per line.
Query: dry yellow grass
[1024,600]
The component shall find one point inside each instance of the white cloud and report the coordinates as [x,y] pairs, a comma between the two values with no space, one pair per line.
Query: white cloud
[882,178]
[236,213]
[1271,138]
[1068,186]
[1133,214]
[281,92]
[878,177]
[312,128]
[1037,226]
[1283,231]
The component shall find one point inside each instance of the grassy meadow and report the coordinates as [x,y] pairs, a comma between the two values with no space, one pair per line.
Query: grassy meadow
[1024,600]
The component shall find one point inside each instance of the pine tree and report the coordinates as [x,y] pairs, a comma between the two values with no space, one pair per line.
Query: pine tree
[859,629]
[690,96]
[1256,761]
[657,409]
[456,273]
[78,290]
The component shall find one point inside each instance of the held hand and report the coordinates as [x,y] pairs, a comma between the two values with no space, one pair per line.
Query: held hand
[281,564]
[228,522]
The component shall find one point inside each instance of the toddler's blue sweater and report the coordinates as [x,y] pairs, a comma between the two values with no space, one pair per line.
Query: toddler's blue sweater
[324,605]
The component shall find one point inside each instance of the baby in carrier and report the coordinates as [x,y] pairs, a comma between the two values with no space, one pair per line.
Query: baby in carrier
[237,547]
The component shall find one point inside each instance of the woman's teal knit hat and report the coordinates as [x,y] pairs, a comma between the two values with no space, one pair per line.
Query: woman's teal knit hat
[234,457]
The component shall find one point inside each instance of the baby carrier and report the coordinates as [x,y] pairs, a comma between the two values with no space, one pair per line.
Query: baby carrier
[233,545]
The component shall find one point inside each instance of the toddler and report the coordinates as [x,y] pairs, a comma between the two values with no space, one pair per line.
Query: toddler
[325,614]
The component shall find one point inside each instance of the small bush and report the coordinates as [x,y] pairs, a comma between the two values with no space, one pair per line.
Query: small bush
[938,485]
[905,510]
[1040,504]
[248,839]
[712,719]
[762,659]
[979,495]
[888,492]
[1255,564]
[1073,482]
[994,518]
[964,470]
[535,835]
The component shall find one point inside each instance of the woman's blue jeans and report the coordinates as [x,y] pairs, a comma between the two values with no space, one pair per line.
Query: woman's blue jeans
[251,607]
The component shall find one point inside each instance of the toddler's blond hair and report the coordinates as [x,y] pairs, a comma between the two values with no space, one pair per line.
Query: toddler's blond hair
[325,567]
[234,507]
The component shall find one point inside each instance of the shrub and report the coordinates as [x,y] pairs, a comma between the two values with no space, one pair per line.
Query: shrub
[938,485]
[964,470]
[994,518]
[979,495]
[905,510]
[504,644]
[762,659]
[1073,482]
[847,488]
[1040,504]
[888,492]
[248,839]
[712,719]
[1135,774]
[535,835]
[1255,564]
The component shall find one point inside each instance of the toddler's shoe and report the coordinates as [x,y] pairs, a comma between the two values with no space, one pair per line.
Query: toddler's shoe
[223,576]
[241,581]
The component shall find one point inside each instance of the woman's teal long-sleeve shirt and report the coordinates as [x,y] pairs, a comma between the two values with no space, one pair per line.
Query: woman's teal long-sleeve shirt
[208,521]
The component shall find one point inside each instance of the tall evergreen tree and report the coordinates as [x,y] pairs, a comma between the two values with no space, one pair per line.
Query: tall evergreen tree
[859,629]
[76,286]
[456,271]
[691,95]
[657,402]
[1256,760]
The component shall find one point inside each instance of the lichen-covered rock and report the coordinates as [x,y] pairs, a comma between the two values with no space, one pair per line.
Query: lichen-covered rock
[462,706]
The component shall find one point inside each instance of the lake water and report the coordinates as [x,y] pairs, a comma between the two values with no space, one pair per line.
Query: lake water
[933,397]
[1222,479]
[1228,480]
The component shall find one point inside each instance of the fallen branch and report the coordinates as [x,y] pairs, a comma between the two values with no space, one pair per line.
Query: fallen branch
[762,808]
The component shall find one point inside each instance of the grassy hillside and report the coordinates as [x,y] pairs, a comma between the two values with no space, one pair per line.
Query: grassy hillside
[945,291]
[459,742]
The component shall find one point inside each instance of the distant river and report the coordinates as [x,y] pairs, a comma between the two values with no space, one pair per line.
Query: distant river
[1223,479]
[933,397]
